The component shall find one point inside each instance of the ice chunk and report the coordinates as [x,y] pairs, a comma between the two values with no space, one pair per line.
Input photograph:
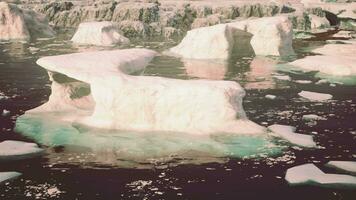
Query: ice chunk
[288,133]
[348,166]
[303,81]
[99,33]
[214,42]
[8,176]
[13,25]
[337,60]
[218,42]
[121,101]
[315,96]
[312,117]
[18,24]
[270,96]
[5,113]
[309,174]
[17,150]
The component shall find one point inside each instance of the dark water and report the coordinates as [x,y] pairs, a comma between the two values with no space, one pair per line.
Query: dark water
[69,172]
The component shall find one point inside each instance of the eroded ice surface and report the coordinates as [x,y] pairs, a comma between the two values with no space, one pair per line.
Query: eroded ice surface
[315,96]
[17,150]
[348,166]
[8,176]
[309,174]
[288,133]
[99,33]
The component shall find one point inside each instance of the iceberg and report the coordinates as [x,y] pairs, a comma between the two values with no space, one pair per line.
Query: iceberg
[99,33]
[315,96]
[18,24]
[347,166]
[97,86]
[309,174]
[8,176]
[267,36]
[17,150]
[97,102]
[288,133]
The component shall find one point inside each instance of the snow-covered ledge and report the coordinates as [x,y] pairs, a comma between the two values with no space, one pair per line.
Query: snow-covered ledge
[95,89]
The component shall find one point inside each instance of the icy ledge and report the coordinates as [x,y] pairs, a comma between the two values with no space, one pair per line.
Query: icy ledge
[309,174]
[94,89]
[348,166]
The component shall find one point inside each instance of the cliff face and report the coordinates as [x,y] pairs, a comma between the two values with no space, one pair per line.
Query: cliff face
[147,18]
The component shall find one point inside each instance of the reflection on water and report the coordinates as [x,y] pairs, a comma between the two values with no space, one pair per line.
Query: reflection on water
[206,69]
[260,74]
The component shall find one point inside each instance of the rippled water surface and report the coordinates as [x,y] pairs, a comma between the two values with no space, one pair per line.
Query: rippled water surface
[85,164]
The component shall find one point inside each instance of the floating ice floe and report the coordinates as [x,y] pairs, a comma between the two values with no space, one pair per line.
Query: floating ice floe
[268,36]
[309,174]
[99,33]
[288,133]
[17,150]
[336,60]
[303,81]
[312,117]
[348,166]
[8,176]
[315,96]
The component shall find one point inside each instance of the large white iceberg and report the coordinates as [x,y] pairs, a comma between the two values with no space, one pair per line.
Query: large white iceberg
[99,33]
[268,36]
[18,24]
[288,133]
[309,174]
[98,86]
[17,150]
[8,176]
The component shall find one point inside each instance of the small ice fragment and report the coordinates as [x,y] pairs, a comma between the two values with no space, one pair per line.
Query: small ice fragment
[315,96]
[5,113]
[7,176]
[270,96]
[303,81]
[322,81]
[282,77]
[288,133]
[348,166]
[309,174]
[312,117]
